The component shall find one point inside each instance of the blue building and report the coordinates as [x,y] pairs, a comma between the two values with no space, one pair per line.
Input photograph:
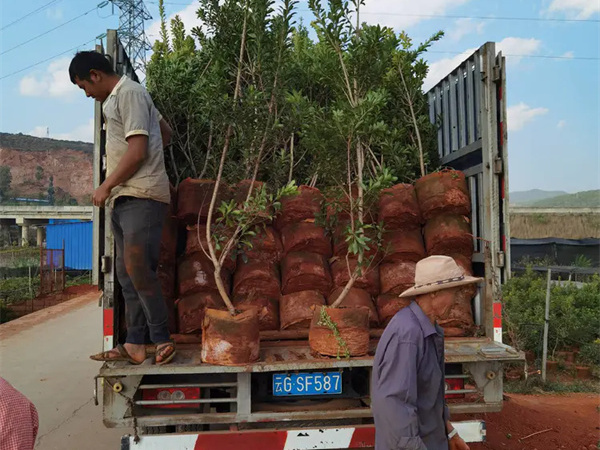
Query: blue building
[76,236]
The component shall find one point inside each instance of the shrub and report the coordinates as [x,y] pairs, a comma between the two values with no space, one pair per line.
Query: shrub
[574,313]
[590,353]
[14,290]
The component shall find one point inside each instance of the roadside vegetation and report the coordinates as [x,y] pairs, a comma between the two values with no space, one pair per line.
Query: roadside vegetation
[574,331]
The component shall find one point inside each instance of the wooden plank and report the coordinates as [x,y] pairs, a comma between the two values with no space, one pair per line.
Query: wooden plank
[477,81]
[474,408]
[462,120]
[480,216]
[438,112]
[453,113]
[446,117]
[470,93]
[463,151]
[431,103]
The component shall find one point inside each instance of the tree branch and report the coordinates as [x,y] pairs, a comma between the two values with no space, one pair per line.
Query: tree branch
[291,159]
[414,120]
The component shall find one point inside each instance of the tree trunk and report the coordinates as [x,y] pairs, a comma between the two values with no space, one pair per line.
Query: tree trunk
[213,200]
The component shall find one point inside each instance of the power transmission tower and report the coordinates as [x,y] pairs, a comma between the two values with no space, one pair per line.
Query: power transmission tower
[131,31]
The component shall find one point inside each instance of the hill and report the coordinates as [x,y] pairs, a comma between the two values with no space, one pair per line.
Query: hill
[28,143]
[526,198]
[586,199]
[32,161]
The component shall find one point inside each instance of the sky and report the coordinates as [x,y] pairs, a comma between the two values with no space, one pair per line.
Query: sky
[552,49]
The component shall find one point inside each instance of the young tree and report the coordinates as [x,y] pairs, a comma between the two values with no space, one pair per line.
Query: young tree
[355,123]
[263,32]
[5,182]
[51,191]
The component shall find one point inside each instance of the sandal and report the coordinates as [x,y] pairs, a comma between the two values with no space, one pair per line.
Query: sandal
[169,348]
[123,356]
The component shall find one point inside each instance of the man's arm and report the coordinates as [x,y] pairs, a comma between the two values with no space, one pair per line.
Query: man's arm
[397,396]
[456,442]
[166,132]
[137,150]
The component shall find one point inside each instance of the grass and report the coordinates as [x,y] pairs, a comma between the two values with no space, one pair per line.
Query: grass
[535,385]
[77,280]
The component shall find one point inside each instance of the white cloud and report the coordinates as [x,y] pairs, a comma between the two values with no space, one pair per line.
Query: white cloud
[400,14]
[439,69]
[569,54]
[521,114]
[464,27]
[518,46]
[39,131]
[83,132]
[580,9]
[53,82]
[187,15]
[561,124]
[509,46]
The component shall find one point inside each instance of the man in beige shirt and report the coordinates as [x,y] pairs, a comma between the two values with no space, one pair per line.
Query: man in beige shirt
[137,190]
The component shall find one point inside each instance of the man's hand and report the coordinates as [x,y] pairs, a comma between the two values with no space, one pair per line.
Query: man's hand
[456,443]
[100,195]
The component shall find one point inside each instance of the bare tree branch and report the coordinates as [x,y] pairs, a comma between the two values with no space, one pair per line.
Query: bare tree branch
[414,120]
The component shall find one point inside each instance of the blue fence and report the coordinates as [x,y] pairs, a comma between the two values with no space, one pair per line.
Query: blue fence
[77,238]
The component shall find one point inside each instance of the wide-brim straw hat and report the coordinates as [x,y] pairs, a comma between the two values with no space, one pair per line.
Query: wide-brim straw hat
[436,273]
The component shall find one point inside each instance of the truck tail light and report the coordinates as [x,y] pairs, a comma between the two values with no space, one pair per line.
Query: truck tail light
[172,395]
[454,384]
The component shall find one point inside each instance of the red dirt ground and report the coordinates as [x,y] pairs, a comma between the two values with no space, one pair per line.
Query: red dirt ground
[45,301]
[574,420]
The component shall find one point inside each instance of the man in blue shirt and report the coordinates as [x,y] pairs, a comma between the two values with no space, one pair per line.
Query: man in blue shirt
[408,372]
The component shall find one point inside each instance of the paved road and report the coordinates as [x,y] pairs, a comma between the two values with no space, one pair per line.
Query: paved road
[45,356]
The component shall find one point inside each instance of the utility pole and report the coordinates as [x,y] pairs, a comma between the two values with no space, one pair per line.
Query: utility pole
[131,31]
[546,325]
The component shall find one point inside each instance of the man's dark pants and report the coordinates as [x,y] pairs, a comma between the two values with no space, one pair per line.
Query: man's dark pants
[137,226]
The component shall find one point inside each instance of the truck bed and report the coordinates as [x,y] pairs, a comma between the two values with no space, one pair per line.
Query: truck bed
[289,356]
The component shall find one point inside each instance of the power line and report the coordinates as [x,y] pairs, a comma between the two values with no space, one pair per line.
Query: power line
[442,16]
[451,16]
[47,59]
[581,58]
[28,14]
[55,28]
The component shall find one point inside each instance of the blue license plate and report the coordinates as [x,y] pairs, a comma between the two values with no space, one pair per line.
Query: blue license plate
[310,383]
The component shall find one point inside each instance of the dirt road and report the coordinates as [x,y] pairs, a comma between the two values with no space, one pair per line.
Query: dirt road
[45,356]
[570,422]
